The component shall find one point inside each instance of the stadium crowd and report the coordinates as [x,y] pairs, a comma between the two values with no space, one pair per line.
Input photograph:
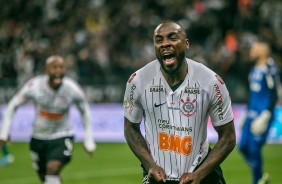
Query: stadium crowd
[104,41]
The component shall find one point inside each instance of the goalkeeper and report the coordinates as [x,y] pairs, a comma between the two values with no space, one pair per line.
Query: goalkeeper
[263,84]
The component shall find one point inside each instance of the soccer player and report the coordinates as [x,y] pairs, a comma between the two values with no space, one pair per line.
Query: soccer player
[263,82]
[176,96]
[51,145]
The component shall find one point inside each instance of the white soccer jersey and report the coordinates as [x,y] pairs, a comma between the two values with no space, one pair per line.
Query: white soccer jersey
[176,121]
[51,107]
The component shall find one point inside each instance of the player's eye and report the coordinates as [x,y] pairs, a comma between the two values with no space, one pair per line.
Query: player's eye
[173,38]
[158,39]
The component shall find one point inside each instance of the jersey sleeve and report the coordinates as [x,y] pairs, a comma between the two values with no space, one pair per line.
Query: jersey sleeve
[132,107]
[19,98]
[272,82]
[220,106]
[82,104]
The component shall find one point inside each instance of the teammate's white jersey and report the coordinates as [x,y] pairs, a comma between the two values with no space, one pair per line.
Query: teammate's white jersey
[51,107]
[176,121]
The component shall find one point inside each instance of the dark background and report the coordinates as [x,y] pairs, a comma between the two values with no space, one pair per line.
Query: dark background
[105,41]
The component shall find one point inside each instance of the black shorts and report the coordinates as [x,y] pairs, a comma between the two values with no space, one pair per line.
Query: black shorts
[44,150]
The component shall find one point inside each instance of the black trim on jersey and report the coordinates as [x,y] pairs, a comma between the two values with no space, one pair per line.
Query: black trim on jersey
[188,122]
[160,82]
[195,142]
[151,124]
[180,118]
[174,152]
[174,87]
[169,133]
[156,126]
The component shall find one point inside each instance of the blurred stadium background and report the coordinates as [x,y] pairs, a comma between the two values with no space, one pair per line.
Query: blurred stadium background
[103,42]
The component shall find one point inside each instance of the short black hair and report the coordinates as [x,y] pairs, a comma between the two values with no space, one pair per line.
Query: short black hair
[175,22]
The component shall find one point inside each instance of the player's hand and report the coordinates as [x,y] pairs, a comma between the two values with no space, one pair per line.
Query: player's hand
[190,178]
[259,125]
[157,173]
[89,147]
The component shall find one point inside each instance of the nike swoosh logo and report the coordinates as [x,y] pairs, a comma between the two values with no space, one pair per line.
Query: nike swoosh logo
[157,105]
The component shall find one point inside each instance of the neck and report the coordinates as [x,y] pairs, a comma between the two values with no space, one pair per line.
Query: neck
[54,88]
[175,78]
[261,61]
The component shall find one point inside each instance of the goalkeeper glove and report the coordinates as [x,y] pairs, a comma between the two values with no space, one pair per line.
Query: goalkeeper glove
[259,124]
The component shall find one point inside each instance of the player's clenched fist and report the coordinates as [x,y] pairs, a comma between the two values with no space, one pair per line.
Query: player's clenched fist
[189,178]
[157,173]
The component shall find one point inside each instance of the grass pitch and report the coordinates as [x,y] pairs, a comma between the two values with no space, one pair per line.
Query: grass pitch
[114,163]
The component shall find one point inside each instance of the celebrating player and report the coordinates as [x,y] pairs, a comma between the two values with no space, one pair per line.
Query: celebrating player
[263,80]
[176,95]
[51,144]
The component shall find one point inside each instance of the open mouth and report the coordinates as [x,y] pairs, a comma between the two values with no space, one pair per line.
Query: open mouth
[57,80]
[169,58]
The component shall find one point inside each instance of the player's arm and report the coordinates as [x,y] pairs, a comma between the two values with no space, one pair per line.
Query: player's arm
[272,82]
[137,144]
[18,99]
[260,124]
[223,121]
[133,113]
[225,144]
[84,109]
[220,111]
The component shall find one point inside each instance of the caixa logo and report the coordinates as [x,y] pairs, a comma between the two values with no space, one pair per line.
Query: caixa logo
[175,143]
[219,102]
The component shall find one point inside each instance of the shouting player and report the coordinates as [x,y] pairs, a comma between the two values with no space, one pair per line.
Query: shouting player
[51,144]
[176,96]
[264,81]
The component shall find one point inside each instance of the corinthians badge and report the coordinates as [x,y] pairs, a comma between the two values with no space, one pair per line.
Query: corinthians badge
[188,107]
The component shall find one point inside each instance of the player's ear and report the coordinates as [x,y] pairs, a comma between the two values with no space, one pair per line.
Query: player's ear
[187,43]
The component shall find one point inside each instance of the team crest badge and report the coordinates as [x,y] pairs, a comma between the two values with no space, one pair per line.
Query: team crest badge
[188,107]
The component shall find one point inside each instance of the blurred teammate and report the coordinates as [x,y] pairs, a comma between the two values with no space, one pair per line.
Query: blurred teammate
[263,82]
[175,96]
[51,144]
